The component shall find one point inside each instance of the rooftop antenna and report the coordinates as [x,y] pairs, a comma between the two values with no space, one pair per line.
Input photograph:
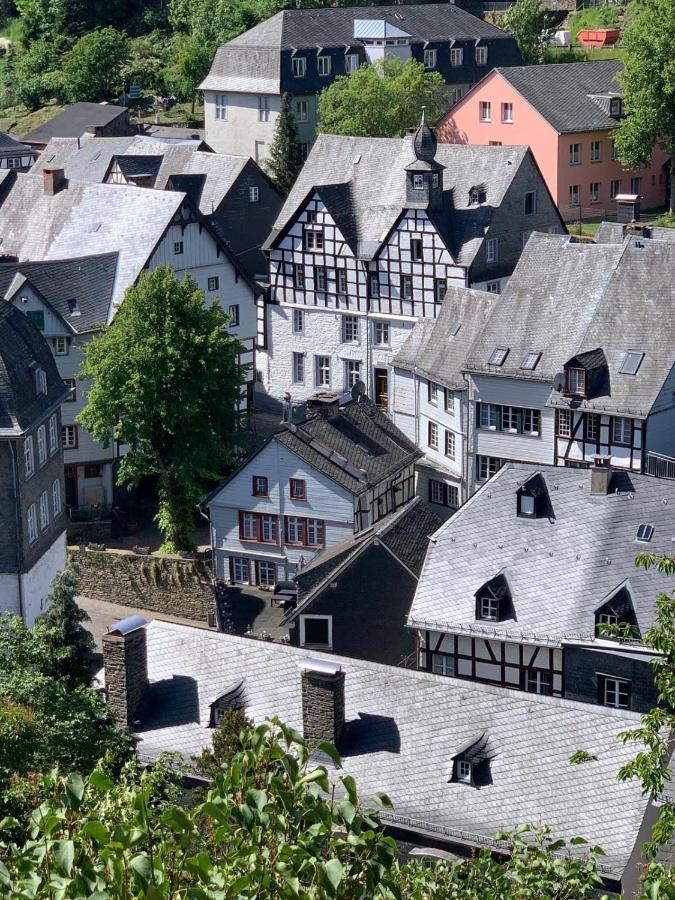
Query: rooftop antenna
[358,391]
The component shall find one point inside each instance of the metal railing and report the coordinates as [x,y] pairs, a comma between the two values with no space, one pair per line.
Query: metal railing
[660,466]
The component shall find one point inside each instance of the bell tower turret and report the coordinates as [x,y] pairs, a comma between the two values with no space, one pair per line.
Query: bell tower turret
[424,176]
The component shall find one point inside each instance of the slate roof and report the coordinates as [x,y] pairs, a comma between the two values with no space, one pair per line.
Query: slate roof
[362,181]
[433,350]
[21,345]
[74,120]
[560,570]
[566,298]
[404,728]
[615,232]
[88,280]
[560,92]
[9,146]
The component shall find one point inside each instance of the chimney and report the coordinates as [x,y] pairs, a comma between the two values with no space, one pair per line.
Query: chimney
[324,403]
[54,180]
[323,701]
[600,475]
[125,664]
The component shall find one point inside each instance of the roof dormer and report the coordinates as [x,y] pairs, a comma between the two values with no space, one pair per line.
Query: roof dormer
[586,375]
[617,615]
[471,763]
[493,600]
[533,500]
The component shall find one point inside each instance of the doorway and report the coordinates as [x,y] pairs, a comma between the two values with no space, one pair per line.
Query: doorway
[382,388]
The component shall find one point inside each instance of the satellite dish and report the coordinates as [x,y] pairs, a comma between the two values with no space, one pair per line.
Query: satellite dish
[358,390]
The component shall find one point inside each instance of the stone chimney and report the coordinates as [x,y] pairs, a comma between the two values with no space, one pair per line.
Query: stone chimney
[601,473]
[323,701]
[125,664]
[54,180]
[323,402]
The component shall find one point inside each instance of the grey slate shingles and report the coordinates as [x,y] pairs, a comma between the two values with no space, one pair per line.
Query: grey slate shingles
[74,120]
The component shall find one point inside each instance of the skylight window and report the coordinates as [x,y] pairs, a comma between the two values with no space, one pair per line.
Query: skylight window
[455,328]
[50,158]
[96,155]
[631,362]
[530,361]
[498,356]
[644,533]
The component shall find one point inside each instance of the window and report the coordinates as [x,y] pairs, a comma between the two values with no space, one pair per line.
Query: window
[443,494]
[303,149]
[32,524]
[418,181]
[350,330]
[487,466]
[574,195]
[594,193]
[450,401]
[481,56]
[406,287]
[298,489]
[323,65]
[53,434]
[488,416]
[615,107]
[510,418]
[267,574]
[37,317]
[605,618]
[464,770]
[433,393]
[28,460]
[40,381]
[260,488]
[575,382]
[440,287]
[631,362]
[530,203]
[382,334]
[507,112]
[592,426]
[456,58]
[268,529]
[61,346]
[575,154]
[263,108]
[298,321]
[233,312]
[240,570]
[492,250]
[374,282]
[313,239]
[42,445]
[531,421]
[352,372]
[564,422]
[298,276]
[489,609]
[429,59]
[259,150]
[322,371]
[538,681]
[299,66]
[595,151]
[644,532]
[71,383]
[301,111]
[314,533]
[450,444]
[249,526]
[530,361]
[253,194]
[212,283]
[351,63]
[498,356]
[56,498]
[621,430]
[298,368]
[92,470]
[262,528]
[635,184]
[615,152]
[493,287]
[485,114]
[614,188]
[341,280]
[69,436]
[316,631]
[433,436]
[615,692]
[416,249]
[177,247]
[442,664]
[44,510]
[320,278]
[221,107]
[294,530]
[526,505]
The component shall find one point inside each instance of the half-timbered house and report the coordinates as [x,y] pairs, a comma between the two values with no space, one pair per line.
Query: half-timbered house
[371,236]
[532,584]
[308,487]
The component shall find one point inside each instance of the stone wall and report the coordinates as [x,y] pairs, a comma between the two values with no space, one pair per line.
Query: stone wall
[164,584]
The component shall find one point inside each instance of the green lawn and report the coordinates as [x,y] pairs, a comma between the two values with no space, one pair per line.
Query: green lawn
[589,227]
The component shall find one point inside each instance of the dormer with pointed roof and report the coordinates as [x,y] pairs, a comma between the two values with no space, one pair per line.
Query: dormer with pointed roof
[424,176]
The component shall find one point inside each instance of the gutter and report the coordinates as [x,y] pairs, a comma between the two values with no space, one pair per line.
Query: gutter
[19,545]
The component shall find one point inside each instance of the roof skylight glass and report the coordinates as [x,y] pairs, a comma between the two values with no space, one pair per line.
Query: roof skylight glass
[455,328]
[531,360]
[644,533]
[631,362]
[498,356]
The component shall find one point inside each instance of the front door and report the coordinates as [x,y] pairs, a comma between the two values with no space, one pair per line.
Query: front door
[70,473]
[382,388]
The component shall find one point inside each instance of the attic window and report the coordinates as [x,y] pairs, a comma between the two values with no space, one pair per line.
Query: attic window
[455,328]
[631,362]
[72,307]
[40,379]
[477,195]
[493,600]
[498,356]
[644,533]
[532,499]
[464,771]
[50,158]
[471,762]
[96,155]
[230,700]
[530,361]
[615,107]
[575,382]
[618,611]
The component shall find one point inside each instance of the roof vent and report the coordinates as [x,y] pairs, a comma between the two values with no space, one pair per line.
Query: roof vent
[644,533]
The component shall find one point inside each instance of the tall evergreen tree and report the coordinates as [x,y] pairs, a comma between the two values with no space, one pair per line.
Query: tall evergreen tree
[67,642]
[284,162]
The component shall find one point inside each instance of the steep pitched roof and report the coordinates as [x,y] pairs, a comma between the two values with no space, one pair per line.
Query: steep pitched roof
[74,120]
[362,181]
[427,719]
[615,232]
[9,145]
[560,92]
[558,569]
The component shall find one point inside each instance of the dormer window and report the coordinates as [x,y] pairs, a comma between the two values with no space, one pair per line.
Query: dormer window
[615,107]
[464,771]
[526,505]
[532,498]
[618,613]
[575,382]
[232,699]
[471,762]
[477,195]
[418,182]
[489,609]
[493,600]
[586,375]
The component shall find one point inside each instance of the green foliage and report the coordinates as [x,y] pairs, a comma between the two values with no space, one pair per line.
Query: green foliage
[648,83]
[582,756]
[33,76]
[192,61]
[228,740]
[382,100]
[527,21]
[283,162]
[667,220]
[74,18]
[272,826]
[92,69]
[147,61]
[166,380]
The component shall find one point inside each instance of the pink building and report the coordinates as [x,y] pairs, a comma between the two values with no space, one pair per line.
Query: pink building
[566,113]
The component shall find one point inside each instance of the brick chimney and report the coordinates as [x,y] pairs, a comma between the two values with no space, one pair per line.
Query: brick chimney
[54,180]
[601,472]
[323,701]
[125,664]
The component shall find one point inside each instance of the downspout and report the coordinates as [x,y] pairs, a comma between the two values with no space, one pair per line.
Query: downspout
[19,541]
[468,441]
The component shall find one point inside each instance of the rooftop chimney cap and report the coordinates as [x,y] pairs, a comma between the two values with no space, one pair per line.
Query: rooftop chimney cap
[324,666]
[128,625]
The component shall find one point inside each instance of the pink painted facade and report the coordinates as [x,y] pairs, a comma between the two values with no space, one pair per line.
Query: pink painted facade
[578,168]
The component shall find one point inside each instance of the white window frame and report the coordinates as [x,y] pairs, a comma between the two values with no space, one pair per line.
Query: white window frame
[44,511]
[493,287]
[322,371]
[492,250]
[323,66]
[593,433]
[538,681]
[437,491]
[352,372]
[249,526]
[489,609]
[350,329]
[267,522]
[299,66]
[573,198]
[57,504]
[456,57]
[294,530]
[481,55]
[430,58]
[53,435]
[488,416]
[313,531]
[178,248]
[450,444]
[254,194]
[608,619]
[464,771]
[611,693]
[442,664]
[418,181]
[507,113]
[221,107]
[31,518]
[328,619]
[298,321]
[351,62]
[28,458]
[449,402]
[298,363]
[433,436]
[320,279]
[531,421]
[485,111]
[575,154]
[564,422]
[596,153]
[60,346]
[301,111]
[622,426]
[233,312]
[243,576]
[594,192]
[510,418]
[212,283]
[266,582]
[433,393]
[263,108]
[486,464]
[68,431]
[42,445]
[382,334]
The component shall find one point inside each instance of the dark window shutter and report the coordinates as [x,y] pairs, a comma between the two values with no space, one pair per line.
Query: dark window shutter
[601,688]
[241,524]
[477,606]
[231,562]
[481,773]
[478,407]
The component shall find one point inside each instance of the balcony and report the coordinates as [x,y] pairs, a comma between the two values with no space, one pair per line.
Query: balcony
[660,466]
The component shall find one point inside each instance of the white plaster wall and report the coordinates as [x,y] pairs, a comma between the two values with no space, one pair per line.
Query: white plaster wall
[9,593]
[37,582]
[240,131]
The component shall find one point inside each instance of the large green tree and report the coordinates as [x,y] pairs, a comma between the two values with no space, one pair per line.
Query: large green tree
[382,100]
[284,162]
[165,383]
[648,81]
[93,68]
[191,63]
[527,21]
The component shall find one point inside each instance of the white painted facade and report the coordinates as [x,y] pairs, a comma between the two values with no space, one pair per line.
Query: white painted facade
[28,592]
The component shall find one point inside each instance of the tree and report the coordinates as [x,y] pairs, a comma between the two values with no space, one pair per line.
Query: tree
[228,740]
[284,161]
[382,100]
[191,66]
[92,69]
[526,20]
[166,381]
[648,81]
